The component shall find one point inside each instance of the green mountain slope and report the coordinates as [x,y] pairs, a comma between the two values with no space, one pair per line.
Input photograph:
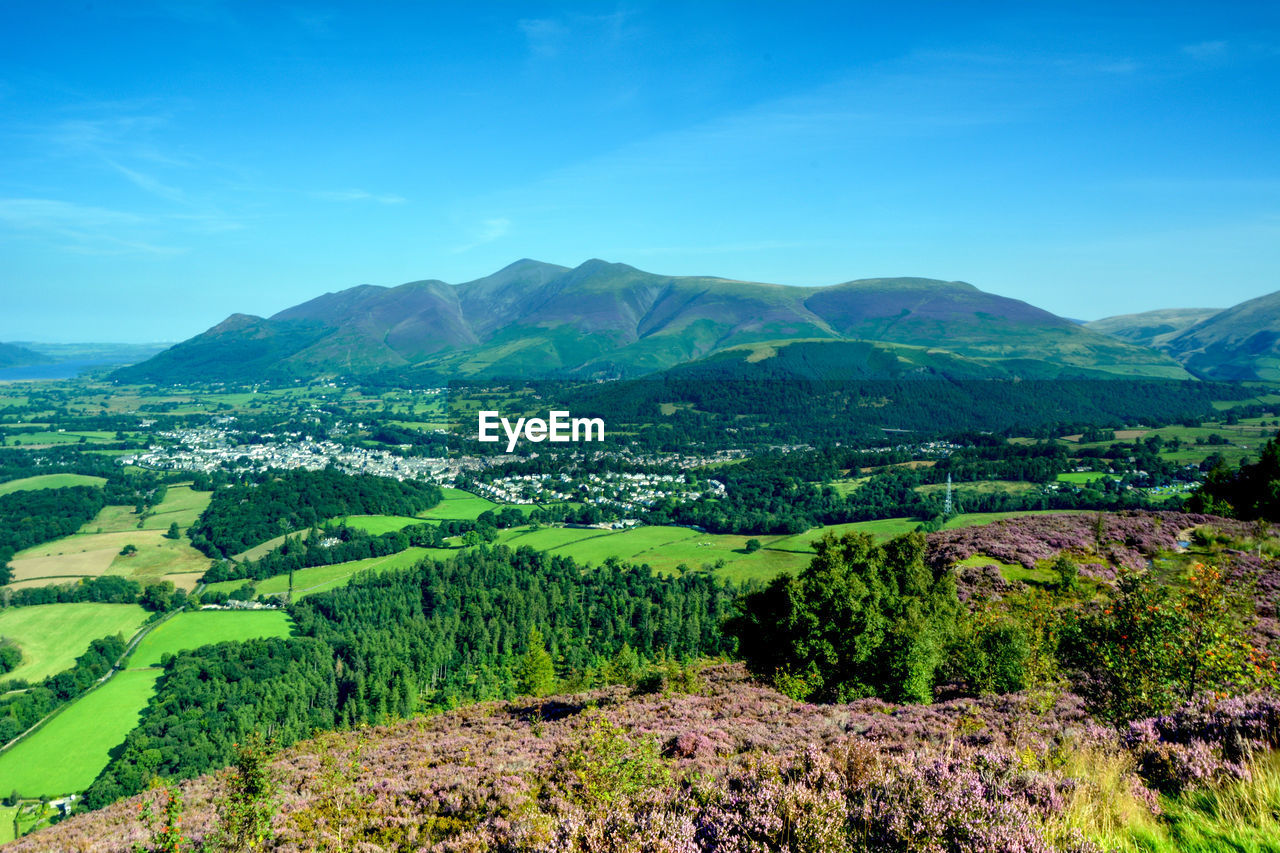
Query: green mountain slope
[605,320]
[826,360]
[1151,328]
[1242,342]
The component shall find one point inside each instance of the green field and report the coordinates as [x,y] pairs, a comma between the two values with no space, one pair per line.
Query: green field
[376,525]
[7,816]
[42,439]
[1082,477]
[459,506]
[52,636]
[847,487]
[202,627]
[50,481]
[181,504]
[72,748]
[321,578]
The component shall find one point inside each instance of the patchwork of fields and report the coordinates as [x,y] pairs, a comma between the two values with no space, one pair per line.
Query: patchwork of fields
[52,635]
[42,765]
[95,549]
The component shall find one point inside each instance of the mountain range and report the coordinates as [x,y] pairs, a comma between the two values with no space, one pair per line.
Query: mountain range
[607,320]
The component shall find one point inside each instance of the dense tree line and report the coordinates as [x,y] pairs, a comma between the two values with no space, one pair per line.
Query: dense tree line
[20,464]
[10,656]
[210,699]
[20,711]
[239,517]
[29,518]
[437,635]
[333,544]
[1250,491]
[108,589]
[744,412]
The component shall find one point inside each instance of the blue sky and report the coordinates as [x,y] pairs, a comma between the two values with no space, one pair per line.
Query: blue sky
[164,164]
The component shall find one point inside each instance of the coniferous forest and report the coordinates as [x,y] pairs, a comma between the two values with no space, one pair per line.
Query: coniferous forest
[440,635]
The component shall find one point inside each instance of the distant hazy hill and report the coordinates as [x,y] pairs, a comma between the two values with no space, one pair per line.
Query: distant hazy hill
[12,355]
[604,320]
[1151,328]
[1242,342]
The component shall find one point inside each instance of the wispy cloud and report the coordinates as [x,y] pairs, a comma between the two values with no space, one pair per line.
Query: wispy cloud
[489,231]
[357,195]
[315,22]
[126,142]
[149,184]
[545,36]
[43,212]
[79,228]
[1205,50]
[548,37]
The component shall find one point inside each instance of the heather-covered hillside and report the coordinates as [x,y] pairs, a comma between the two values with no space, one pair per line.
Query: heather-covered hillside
[727,766]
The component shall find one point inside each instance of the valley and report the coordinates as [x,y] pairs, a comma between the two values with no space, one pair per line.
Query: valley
[620,505]
[201,545]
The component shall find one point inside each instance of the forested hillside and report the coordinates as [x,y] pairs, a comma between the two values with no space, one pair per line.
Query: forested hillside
[245,515]
[487,624]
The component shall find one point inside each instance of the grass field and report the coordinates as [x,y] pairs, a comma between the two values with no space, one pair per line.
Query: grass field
[94,554]
[459,506]
[202,627]
[45,439]
[71,749]
[846,487]
[1081,477]
[181,504]
[321,578]
[7,816]
[378,524]
[267,547]
[52,636]
[50,481]
[980,487]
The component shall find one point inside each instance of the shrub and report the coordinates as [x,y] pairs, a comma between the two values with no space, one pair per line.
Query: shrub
[864,619]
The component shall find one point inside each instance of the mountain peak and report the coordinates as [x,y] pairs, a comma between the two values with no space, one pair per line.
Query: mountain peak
[235,322]
[594,266]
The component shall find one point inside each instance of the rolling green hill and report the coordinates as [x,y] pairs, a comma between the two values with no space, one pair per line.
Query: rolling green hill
[1151,328]
[605,320]
[1242,342]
